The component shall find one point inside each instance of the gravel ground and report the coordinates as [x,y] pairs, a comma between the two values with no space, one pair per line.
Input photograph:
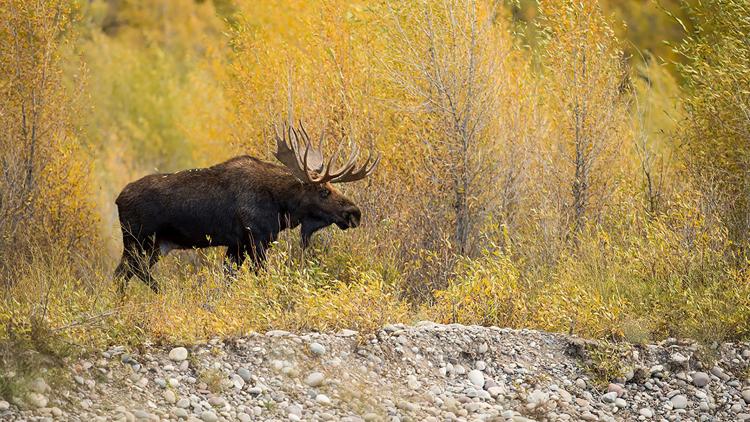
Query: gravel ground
[427,372]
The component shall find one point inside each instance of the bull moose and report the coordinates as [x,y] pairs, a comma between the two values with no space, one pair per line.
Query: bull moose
[243,204]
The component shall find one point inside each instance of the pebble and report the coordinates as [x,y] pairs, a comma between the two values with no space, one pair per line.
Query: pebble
[317,349]
[476,377]
[323,399]
[315,379]
[646,412]
[679,401]
[701,379]
[209,416]
[170,396]
[4,405]
[245,374]
[178,354]
[609,397]
[746,396]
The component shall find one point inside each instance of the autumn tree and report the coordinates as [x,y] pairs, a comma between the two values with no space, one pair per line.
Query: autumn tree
[584,76]
[43,191]
[716,133]
[453,64]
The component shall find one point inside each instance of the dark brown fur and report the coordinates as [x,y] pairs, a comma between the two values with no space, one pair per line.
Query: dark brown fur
[242,204]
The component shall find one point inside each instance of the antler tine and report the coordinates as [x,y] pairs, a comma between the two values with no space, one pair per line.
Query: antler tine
[365,170]
[309,166]
[346,167]
[287,153]
[313,157]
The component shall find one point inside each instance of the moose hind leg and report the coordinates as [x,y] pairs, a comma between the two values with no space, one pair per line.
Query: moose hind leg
[123,272]
[142,259]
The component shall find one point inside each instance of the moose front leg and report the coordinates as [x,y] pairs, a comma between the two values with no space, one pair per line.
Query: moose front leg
[233,260]
[309,227]
[257,251]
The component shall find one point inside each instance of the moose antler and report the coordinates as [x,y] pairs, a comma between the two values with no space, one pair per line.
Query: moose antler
[295,150]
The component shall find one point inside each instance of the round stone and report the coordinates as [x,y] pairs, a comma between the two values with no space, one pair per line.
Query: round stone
[476,377]
[183,403]
[609,397]
[746,396]
[679,401]
[646,412]
[209,416]
[322,399]
[216,401]
[701,379]
[245,374]
[315,379]
[4,405]
[170,396]
[621,403]
[317,349]
[178,354]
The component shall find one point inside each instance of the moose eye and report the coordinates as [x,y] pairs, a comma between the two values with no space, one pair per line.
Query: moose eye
[324,193]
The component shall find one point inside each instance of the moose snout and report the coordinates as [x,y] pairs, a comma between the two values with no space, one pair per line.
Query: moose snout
[352,216]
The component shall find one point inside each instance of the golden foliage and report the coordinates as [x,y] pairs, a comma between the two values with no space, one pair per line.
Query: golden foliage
[522,185]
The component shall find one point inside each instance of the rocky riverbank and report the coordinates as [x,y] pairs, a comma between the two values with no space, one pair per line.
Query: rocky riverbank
[426,372]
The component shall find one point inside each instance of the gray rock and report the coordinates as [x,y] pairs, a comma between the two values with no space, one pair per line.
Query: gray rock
[346,333]
[476,377]
[701,379]
[4,405]
[315,379]
[621,403]
[141,414]
[679,359]
[746,396]
[538,397]
[323,399]
[217,401]
[679,401]
[209,416]
[178,354]
[719,373]
[646,412]
[317,349]
[170,396]
[245,374]
[609,397]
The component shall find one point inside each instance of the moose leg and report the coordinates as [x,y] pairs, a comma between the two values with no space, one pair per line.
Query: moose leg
[143,257]
[257,251]
[233,260]
[124,270]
